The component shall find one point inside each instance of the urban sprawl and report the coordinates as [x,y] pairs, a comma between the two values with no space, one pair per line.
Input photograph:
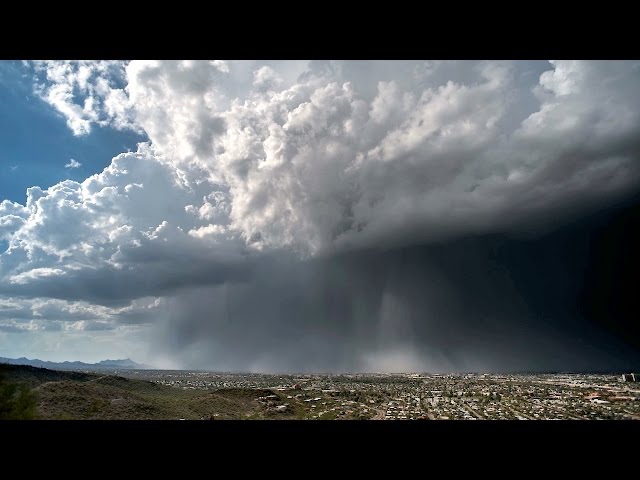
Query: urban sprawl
[425,396]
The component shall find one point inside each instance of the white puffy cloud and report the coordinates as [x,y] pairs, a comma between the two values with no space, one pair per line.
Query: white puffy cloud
[85,93]
[12,216]
[266,78]
[117,235]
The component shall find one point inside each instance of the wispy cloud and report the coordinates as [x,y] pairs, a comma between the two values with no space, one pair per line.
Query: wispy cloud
[73,164]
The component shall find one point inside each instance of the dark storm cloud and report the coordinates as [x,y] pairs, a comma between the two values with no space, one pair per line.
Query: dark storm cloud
[340,215]
[483,303]
[347,156]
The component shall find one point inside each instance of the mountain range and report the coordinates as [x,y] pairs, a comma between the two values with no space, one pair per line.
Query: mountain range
[126,363]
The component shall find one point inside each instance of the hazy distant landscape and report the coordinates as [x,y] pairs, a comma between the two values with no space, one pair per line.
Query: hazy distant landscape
[28,392]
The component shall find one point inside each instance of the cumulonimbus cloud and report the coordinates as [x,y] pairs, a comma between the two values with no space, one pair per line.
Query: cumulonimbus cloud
[244,159]
[318,165]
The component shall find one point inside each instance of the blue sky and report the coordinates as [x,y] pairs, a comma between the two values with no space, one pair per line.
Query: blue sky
[36,144]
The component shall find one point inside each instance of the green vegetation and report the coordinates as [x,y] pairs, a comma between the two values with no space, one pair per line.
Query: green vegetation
[17,402]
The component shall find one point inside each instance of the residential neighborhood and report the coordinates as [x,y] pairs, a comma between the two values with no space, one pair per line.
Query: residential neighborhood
[427,396]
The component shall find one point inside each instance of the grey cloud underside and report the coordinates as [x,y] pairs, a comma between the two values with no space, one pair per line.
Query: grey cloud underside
[258,175]
[113,288]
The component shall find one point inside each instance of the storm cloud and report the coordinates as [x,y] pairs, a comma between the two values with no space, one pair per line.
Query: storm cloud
[481,303]
[327,215]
